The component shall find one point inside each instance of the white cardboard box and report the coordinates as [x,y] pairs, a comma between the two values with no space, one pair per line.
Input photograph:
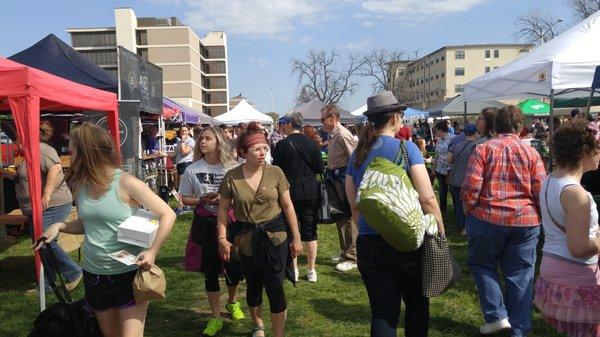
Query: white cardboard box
[139,229]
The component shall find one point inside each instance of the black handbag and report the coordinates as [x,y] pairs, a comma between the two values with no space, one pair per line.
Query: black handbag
[65,318]
[440,269]
[326,213]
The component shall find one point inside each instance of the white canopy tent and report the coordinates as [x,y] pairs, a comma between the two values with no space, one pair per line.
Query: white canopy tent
[561,67]
[311,113]
[243,113]
[456,107]
[359,111]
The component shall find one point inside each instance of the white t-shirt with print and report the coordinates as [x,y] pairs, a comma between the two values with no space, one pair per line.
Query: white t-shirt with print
[201,178]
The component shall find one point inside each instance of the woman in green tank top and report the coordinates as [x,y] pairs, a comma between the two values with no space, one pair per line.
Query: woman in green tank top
[106,196]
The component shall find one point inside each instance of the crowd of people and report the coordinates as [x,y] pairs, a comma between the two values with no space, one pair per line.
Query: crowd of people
[255,199]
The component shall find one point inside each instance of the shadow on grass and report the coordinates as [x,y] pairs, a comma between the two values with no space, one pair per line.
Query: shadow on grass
[450,327]
[182,322]
[17,273]
[339,311]
[8,242]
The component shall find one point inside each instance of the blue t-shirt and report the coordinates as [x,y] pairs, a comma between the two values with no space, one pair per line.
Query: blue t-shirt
[387,147]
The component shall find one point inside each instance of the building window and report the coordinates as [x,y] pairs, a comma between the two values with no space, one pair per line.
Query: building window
[431,63]
[143,53]
[459,88]
[459,71]
[141,37]
[487,69]
[443,75]
[94,39]
[213,52]
[437,60]
[213,67]
[101,57]
[437,76]
[431,79]
[496,53]
[459,54]
[488,53]
[495,68]
[443,58]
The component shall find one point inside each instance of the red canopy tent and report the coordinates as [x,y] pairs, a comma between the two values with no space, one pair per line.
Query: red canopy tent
[26,91]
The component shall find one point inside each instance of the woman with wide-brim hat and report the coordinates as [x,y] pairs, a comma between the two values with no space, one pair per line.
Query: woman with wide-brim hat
[390,276]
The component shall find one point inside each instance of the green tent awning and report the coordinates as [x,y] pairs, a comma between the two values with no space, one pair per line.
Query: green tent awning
[533,107]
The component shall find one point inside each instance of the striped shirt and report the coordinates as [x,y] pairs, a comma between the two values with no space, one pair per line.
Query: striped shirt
[503,182]
[461,153]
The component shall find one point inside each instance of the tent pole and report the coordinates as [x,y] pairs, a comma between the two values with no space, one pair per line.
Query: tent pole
[42,289]
[550,161]
[588,113]
[465,115]
[551,112]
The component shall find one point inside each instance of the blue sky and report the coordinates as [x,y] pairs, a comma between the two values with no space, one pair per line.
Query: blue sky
[265,35]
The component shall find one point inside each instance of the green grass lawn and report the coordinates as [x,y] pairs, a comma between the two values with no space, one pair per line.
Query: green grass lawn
[335,306]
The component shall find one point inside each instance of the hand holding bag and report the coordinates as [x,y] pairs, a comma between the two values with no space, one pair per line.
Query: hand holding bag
[149,284]
[66,318]
[440,269]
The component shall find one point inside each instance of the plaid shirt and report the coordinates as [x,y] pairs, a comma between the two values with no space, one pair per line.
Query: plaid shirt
[503,182]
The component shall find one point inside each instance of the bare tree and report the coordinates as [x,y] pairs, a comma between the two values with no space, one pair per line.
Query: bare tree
[536,27]
[322,75]
[376,66]
[583,8]
[274,115]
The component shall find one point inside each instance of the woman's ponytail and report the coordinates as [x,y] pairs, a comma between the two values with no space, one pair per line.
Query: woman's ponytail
[369,135]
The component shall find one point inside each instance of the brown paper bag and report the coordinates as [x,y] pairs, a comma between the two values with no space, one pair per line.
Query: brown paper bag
[149,284]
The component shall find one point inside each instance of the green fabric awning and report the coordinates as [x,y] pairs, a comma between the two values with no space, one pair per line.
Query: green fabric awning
[579,102]
[533,107]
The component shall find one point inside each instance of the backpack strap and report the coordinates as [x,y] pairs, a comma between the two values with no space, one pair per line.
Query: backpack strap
[402,158]
[552,218]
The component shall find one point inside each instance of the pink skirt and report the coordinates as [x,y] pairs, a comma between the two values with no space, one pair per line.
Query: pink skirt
[568,295]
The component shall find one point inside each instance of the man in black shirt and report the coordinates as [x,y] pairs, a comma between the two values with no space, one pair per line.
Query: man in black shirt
[299,158]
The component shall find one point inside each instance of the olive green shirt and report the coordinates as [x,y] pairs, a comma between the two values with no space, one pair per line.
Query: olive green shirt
[266,205]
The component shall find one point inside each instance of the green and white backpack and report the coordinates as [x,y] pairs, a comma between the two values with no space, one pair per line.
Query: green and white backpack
[389,203]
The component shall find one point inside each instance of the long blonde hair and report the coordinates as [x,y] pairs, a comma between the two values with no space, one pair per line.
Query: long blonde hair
[223,148]
[94,152]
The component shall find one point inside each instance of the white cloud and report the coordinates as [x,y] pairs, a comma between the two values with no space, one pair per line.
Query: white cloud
[368,24]
[274,19]
[362,15]
[359,45]
[426,7]
[306,39]
[258,61]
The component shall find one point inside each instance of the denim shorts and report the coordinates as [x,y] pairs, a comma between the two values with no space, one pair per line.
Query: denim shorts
[104,292]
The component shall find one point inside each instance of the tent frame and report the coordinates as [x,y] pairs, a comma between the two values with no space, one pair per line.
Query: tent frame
[25,92]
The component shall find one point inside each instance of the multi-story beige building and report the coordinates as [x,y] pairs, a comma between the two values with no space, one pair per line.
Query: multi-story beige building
[194,69]
[443,73]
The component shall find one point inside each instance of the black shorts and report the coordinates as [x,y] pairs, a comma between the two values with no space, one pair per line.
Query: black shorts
[306,212]
[104,292]
[182,166]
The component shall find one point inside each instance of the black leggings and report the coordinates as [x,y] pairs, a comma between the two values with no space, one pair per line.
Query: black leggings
[257,279]
[233,275]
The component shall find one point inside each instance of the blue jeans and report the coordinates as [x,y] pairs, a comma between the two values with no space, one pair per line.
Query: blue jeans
[514,249]
[458,207]
[69,269]
[390,278]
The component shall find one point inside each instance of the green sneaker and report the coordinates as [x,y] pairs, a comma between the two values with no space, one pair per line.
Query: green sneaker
[235,309]
[213,326]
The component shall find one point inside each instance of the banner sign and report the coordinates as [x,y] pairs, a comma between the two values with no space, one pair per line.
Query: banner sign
[140,80]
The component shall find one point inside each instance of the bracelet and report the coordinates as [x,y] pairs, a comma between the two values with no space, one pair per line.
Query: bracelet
[221,238]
